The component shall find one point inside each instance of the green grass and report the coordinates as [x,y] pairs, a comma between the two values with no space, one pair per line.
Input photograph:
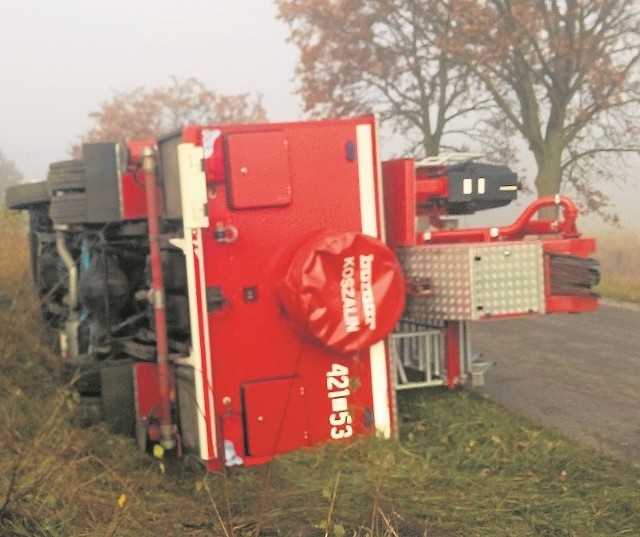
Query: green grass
[466,466]
[463,466]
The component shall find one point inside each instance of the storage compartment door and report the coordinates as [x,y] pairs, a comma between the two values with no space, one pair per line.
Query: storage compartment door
[258,170]
[275,416]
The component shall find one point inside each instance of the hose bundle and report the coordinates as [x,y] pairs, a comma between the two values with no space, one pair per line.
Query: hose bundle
[571,275]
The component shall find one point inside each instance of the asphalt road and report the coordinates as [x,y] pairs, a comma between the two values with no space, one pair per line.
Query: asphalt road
[578,374]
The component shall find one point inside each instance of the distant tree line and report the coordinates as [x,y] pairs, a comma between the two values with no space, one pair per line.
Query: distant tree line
[143,113]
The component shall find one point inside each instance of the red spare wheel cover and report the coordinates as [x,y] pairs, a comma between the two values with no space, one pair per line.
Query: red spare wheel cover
[344,291]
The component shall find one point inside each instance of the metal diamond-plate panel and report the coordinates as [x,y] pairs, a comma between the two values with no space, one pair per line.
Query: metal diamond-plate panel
[448,271]
[471,282]
[508,280]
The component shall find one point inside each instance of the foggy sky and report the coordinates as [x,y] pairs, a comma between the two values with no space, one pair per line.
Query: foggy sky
[61,59]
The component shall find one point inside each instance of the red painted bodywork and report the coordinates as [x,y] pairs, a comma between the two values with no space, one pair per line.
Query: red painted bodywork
[133,200]
[271,389]
[271,386]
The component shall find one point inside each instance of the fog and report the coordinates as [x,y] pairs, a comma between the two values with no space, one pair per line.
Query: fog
[61,60]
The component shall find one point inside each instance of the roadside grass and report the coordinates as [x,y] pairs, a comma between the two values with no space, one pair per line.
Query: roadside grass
[618,251]
[463,466]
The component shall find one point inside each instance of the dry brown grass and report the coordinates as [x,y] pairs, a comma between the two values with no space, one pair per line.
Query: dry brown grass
[463,466]
[618,251]
[61,472]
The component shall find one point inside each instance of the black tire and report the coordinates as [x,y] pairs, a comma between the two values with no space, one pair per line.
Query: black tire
[118,397]
[69,208]
[65,176]
[24,196]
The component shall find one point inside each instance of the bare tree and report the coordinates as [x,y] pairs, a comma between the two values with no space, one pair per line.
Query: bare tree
[145,113]
[359,56]
[564,74]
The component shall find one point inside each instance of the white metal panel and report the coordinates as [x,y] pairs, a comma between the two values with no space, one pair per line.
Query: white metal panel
[367,181]
[369,215]
[194,199]
[193,187]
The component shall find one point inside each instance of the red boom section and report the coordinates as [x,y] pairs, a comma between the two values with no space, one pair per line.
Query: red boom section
[568,276]
[533,266]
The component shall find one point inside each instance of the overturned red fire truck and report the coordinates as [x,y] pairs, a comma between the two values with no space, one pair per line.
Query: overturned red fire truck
[240,291]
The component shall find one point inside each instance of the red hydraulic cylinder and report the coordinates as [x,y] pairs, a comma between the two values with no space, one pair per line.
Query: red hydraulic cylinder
[167,429]
[452,349]
[523,226]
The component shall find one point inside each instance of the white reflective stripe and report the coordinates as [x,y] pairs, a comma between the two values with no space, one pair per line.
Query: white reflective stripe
[199,380]
[188,247]
[194,198]
[380,189]
[467,186]
[208,389]
[366,180]
[369,207]
[380,387]
[481,185]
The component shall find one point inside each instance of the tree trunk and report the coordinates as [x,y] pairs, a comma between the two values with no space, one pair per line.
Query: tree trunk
[431,145]
[549,175]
